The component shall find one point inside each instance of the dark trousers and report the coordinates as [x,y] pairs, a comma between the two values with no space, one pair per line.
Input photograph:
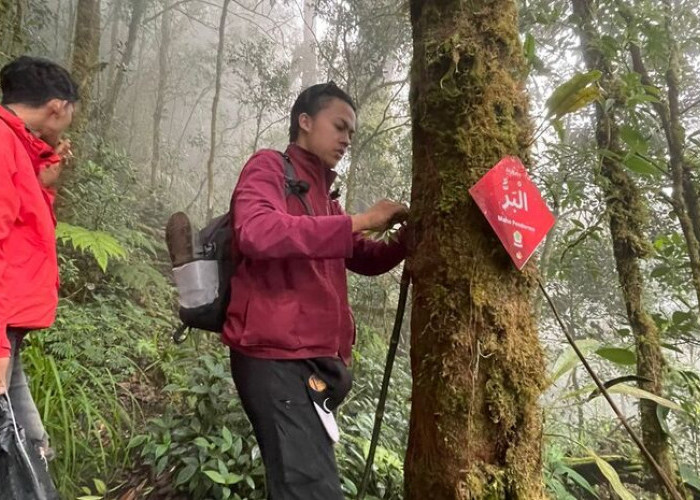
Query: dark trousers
[297,453]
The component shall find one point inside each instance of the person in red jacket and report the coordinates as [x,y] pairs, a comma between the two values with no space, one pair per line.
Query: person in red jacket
[38,101]
[289,326]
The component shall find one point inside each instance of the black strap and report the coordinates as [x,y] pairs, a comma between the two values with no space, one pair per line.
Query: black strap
[294,186]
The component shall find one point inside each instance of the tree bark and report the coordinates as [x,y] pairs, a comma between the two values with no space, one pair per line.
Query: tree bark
[113,39]
[161,91]
[6,15]
[214,110]
[477,365]
[676,143]
[684,198]
[85,63]
[309,72]
[138,7]
[627,214]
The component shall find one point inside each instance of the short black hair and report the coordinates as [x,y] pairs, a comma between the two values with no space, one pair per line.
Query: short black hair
[34,81]
[312,100]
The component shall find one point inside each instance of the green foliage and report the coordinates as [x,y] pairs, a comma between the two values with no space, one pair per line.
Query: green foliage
[574,94]
[204,440]
[100,245]
[205,443]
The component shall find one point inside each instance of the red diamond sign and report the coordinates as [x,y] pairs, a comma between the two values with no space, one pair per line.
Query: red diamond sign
[514,207]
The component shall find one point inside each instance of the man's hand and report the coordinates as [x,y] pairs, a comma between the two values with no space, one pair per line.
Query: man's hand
[48,176]
[380,216]
[4,367]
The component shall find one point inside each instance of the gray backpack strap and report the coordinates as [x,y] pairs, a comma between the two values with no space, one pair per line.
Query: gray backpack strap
[294,186]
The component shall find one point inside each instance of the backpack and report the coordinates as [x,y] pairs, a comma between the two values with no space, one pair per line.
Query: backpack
[204,284]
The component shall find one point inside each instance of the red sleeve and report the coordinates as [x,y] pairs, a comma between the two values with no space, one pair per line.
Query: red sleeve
[370,257]
[265,230]
[9,211]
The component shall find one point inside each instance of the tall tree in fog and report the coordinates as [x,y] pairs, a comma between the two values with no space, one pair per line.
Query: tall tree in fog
[627,215]
[86,52]
[163,69]
[215,109]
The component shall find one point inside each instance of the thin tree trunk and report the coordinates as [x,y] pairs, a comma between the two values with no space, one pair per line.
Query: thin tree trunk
[692,199]
[214,110]
[7,10]
[133,118]
[477,364]
[138,7]
[676,142]
[627,216]
[162,87]
[309,63]
[113,39]
[72,14]
[18,32]
[86,47]
[682,202]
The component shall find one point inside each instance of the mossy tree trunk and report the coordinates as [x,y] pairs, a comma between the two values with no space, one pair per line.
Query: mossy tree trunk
[627,214]
[477,364]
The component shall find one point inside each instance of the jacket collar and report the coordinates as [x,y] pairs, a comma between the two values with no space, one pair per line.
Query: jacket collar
[40,153]
[312,165]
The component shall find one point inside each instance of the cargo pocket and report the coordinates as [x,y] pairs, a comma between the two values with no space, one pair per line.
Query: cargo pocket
[305,449]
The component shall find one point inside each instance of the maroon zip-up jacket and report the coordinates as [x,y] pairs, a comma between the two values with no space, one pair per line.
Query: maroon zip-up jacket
[290,297]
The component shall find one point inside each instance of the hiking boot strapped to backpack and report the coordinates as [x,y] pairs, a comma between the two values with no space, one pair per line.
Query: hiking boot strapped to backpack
[203,262]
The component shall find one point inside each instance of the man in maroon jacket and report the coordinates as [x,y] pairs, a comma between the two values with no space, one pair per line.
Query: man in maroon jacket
[289,326]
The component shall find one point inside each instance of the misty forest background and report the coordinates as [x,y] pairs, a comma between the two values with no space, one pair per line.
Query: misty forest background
[177,94]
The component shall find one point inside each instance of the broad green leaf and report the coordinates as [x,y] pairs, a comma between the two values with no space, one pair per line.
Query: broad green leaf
[529,48]
[577,478]
[185,474]
[634,139]
[567,360]
[611,475]
[160,450]
[661,413]
[215,476]
[200,441]
[232,478]
[617,355]
[228,437]
[660,270]
[100,486]
[136,441]
[640,165]
[641,393]
[689,477]
[573,94]
[578,101]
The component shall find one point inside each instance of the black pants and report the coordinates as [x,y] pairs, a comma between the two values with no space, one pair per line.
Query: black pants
[297,452]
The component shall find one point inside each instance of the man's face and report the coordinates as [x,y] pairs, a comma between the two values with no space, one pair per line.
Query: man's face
[330,132]
[58,117]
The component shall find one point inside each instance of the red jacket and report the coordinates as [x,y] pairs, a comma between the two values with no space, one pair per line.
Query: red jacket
[28,266]
[290,297]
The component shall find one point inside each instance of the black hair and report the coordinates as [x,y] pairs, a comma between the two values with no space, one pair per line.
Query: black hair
[312,100]
[34,81]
